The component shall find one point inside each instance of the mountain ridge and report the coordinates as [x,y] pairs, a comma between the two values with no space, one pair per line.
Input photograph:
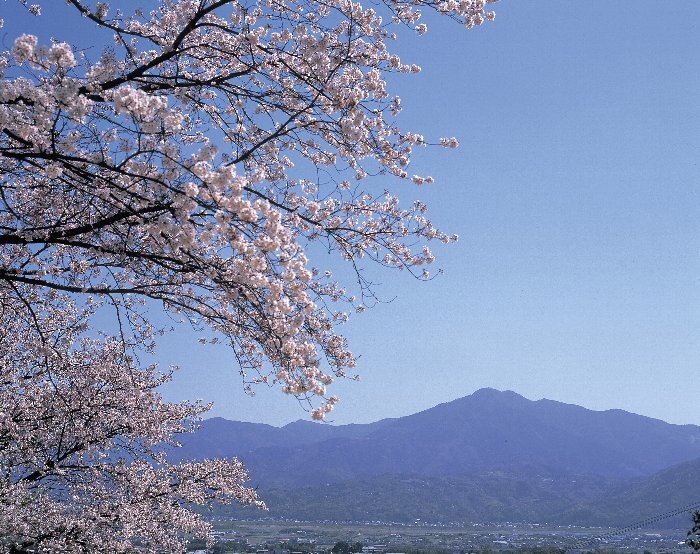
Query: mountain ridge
[492,455]
[488,430]
[482,392]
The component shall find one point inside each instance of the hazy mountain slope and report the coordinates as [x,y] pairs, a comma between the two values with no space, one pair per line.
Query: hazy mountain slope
[218,437]
[492,429]
[495,497]
[642,498]
[221,438]
[491,456]
[487,431]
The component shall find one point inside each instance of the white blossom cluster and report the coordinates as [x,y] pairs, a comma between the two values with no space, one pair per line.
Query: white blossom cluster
[82,431]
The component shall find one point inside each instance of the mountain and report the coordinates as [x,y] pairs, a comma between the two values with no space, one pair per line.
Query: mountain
[494,497]
[663,500]
[218,437]
[485,432]
[489,457]
[668,491]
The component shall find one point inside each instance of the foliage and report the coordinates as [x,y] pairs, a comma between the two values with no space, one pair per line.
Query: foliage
[163,169]
[294,546]
[454,499]
[694,533]
[343,547]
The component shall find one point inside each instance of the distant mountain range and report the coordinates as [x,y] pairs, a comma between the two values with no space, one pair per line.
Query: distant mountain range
[491,456]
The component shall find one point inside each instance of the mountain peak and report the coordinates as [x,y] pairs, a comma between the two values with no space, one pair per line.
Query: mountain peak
[300,424]
[489,393]
[490,430]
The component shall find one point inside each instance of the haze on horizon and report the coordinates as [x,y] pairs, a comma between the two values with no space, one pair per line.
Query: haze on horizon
[482,390]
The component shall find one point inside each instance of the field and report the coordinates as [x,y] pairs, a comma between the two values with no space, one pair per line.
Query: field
[412,539]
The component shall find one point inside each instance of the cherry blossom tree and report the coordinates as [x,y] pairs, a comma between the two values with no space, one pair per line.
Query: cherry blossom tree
[79,423]
[192,163]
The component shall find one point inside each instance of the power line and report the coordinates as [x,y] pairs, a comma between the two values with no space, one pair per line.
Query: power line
[634,526]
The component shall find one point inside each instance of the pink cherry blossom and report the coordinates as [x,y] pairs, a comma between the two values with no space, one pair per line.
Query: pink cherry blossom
[190,162]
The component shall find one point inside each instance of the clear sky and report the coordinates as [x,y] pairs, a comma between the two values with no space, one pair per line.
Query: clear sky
[575,193]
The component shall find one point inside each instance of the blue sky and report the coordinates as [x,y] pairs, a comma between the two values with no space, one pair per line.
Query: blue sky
[575,193]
